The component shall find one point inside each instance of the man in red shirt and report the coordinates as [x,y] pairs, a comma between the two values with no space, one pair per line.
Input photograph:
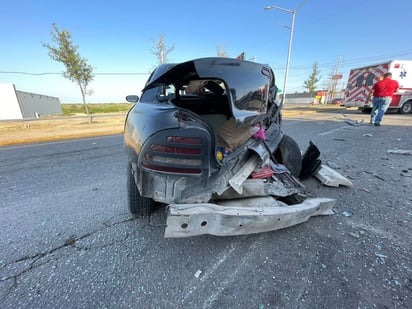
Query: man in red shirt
[382,92]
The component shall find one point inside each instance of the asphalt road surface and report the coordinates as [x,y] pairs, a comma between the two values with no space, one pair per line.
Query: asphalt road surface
[67,240]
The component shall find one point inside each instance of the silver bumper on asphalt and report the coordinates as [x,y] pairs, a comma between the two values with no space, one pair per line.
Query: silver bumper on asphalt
[242,216]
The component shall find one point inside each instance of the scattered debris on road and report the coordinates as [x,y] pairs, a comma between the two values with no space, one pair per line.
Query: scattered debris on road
[400,151]
[331,178]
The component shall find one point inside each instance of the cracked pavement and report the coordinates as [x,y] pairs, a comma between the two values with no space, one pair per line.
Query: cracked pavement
[68,240]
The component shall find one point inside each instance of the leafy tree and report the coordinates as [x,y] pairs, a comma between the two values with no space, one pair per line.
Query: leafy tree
[77,69]
[313,79]
[160,50]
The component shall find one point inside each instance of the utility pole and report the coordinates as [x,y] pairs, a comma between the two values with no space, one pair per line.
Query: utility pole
[335,79]
[293,12]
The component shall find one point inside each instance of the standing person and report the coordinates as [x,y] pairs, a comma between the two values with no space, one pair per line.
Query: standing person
[382,92]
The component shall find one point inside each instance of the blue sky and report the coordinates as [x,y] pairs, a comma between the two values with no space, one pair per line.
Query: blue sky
[116,37]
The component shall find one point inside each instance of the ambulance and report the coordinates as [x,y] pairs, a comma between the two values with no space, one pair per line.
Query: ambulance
[361,80]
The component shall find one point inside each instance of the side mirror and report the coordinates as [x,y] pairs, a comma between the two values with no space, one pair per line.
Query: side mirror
[132,98]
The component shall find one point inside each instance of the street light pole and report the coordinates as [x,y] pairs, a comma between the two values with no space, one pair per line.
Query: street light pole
[288,59]
[293,12]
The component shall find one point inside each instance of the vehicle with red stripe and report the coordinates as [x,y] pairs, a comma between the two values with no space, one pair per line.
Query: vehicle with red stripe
[361,80]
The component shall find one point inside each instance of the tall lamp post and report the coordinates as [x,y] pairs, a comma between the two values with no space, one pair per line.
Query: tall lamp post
[293,12]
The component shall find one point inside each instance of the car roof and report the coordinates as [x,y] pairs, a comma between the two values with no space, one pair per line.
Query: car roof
[248,83]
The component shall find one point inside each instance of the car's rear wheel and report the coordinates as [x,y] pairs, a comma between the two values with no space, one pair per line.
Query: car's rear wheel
[288,153]
[138,206]
[406,107]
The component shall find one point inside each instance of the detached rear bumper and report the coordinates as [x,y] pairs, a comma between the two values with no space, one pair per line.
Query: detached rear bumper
[242,216]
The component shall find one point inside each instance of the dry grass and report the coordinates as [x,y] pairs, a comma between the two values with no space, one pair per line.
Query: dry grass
[18,132]
[38,130]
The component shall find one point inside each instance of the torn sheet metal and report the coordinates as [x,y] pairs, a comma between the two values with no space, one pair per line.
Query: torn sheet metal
[240,177]
[256,187]
[242,216]
[331,178]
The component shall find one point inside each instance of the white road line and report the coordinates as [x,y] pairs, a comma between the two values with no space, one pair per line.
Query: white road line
[191,287]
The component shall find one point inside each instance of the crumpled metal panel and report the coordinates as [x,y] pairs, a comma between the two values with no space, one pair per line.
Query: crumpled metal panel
[242,216]
[256,187]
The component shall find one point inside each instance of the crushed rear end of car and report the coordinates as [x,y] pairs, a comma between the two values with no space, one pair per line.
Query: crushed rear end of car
[215,157]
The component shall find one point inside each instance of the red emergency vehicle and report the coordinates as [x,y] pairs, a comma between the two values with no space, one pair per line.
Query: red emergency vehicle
[361,80]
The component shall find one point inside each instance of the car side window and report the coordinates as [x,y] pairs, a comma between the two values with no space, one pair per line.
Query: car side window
[167,92]
[170,90]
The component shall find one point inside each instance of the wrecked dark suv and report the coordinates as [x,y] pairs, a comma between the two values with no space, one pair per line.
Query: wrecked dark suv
[205,141]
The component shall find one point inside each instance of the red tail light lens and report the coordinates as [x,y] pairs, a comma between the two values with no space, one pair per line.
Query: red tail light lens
[177,150]
[175,154]
[176,170]
[184,140]
[163,159]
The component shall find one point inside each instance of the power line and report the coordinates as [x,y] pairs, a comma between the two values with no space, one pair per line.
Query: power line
[344,63]
[350,62]
[54,73]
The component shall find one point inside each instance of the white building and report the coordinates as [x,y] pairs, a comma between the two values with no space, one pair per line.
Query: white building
[15,104]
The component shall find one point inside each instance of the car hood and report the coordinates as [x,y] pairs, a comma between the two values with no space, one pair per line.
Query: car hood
[249,85]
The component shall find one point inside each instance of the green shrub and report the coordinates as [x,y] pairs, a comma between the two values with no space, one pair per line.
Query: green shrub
[72,109]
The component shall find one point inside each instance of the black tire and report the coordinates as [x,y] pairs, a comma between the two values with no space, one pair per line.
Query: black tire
[288,153]
[406,108]
[366,110]
[138,206]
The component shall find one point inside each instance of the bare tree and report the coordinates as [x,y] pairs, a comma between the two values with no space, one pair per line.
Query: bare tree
[220,51]
[77,69]
[160,50]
